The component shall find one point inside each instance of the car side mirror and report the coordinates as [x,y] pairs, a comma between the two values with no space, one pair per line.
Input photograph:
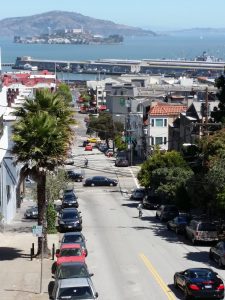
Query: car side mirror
[57,253]
[96,295]
[53,276]
[91,274]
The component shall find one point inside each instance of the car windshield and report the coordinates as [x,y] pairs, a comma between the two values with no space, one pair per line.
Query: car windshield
[70,252]
[207,227]
[72,239]
[207,274]
[71,271]
[182,219]
[81,292]
[69,215]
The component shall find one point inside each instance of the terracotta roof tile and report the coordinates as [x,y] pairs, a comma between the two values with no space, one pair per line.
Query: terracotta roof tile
[162,109]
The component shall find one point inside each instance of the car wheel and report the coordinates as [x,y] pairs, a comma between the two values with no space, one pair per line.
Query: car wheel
[193,240]
[220,264]
[175,283]
[210,255]
[186,295]
[92,184]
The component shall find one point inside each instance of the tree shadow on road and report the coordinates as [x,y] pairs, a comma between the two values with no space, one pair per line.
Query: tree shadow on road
[9,253]
[198,256]
[130,204]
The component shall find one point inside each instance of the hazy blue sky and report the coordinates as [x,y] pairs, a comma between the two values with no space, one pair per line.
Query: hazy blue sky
[155,14]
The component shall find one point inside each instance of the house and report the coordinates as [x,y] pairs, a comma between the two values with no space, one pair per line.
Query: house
[160,117]
[190,125]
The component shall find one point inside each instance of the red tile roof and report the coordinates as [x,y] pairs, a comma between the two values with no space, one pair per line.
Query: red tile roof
[162,109]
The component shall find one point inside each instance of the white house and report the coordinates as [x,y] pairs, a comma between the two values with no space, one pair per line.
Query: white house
[160,116]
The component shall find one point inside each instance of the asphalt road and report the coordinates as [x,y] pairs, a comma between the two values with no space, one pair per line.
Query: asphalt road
[131,258]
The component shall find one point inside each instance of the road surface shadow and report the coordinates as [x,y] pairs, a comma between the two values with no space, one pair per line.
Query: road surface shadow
[130,204]
[22,291]
[9,253]
[198,256]
[19,229]
[177,292]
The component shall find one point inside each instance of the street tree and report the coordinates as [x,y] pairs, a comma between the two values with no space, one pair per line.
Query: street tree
[42,135]
[219,114]
[166,173]
[105,127]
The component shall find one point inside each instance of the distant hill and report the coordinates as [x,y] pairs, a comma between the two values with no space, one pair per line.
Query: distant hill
[55,20]
[196,31]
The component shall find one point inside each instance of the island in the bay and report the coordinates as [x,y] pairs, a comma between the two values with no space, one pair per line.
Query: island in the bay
[69,36]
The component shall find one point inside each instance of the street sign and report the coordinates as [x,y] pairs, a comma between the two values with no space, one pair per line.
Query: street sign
[37,230]
[129,139]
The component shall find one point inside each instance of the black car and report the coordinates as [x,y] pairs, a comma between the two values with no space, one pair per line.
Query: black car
[31,213]
[100,181]
[151,202]
[199,283]
[138,194]
[217,253]
[72,270]
[70,200]
[167,212]
[75,238]
[70,220]
[74,176]
[121,162]
[179,223]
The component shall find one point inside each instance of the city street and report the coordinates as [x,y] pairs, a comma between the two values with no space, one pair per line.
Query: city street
[131,258]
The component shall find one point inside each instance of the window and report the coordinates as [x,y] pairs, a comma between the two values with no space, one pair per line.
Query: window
[159,140]
[164,140]
[159,122]
[165,122]
[152,122]
[152,141]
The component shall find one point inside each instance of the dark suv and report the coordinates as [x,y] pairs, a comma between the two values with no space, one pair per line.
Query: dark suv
[201,231]
[151,202]
[167,212]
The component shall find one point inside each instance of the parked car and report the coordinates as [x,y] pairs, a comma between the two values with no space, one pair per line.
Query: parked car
[70,253]
[70,219]
[85,143]
[201,231]
[100,181]
[167,212]
[217,253]
[75,238]
[72,270]
[31,213]
[120,162]
[103,147]
[70,200]
[138,194]
[74,176]
[199,283]
[74,288]
[93,140]
[151,202]
[179,223]
[69,161]
[88,147]
[109,152]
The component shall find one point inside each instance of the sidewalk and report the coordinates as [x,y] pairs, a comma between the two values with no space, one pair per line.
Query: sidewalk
[19,276]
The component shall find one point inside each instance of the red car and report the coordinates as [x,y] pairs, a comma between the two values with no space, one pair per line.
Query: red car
[88,147]
[70,253]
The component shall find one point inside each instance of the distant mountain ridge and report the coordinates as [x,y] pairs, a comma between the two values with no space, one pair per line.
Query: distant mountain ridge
[55,20]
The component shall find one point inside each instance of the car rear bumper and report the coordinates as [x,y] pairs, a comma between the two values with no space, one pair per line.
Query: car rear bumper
[66,227]
[207,295]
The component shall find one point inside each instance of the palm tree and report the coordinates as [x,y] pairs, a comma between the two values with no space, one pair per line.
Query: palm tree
[42,136]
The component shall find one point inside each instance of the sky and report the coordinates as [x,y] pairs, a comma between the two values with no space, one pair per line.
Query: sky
[149,14]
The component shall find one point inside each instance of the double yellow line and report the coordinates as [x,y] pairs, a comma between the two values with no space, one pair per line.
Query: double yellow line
[157,277]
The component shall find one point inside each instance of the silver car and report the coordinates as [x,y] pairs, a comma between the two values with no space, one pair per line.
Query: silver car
[74,288]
